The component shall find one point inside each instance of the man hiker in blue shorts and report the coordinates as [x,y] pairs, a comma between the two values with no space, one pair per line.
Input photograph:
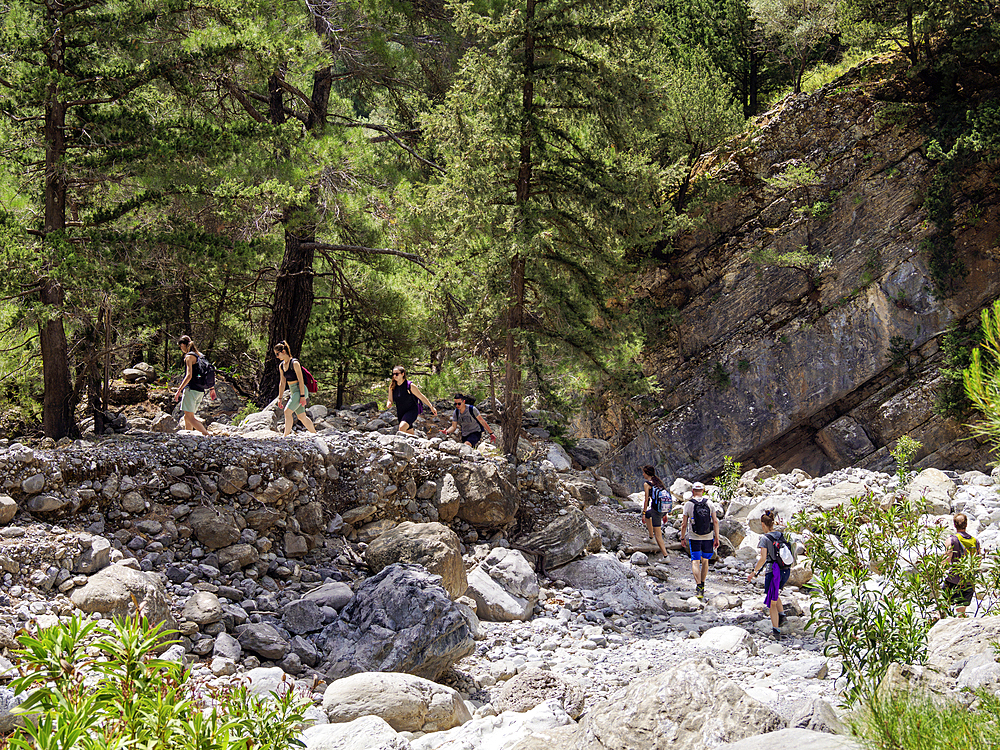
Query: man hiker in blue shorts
[703,539]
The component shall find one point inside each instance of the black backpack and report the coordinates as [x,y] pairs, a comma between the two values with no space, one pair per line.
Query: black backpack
[470,401]
[202,374]
[702,517]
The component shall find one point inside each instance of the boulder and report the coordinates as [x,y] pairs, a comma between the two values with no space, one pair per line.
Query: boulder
[558,457]
[334,594]
[163,423]
[448,499]
[202,608]
[497,732]
[366,733]
[8,509]
[93,558]
[400,620]
[263,639]
[729,638]
[269,681]
[504,587]
[114,591]
[407,703]
[818,716]
[956,638]
[614,585]
[828,498]
[432,545]
[214,528]
[733,531]
[688,707]
[934,488]
[261,420]
[302,616]
[589,452]
[490,497]
[564,539]
[800,739]
[530,688]
[232,479]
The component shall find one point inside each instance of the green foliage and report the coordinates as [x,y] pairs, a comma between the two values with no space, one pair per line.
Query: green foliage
[877,585]
[956,348]
[982,377]
[899,350]
[797,30]
[801,259]
[908,720]
[743,365]
[797,175]
[719,376]
[728,480]
[249,408]
[89,688]
[902,453]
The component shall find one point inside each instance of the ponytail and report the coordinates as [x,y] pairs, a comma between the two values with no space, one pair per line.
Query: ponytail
[186,341]
[654,480]
[282,346]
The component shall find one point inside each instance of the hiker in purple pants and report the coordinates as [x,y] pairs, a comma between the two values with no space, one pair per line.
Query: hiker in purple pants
[777,574]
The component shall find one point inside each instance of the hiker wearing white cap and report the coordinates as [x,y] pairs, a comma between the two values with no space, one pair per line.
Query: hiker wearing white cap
[703,539]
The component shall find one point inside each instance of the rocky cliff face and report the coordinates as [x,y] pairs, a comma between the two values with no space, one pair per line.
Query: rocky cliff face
[820,368]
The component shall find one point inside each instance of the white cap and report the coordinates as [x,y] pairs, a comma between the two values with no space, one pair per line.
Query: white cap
[697,486]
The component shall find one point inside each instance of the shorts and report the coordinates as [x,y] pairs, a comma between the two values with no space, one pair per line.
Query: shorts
[701,549]
[472,438]
[410,417]
[191,399]
[958,595]
[785,572]
[656,518]
[294,405]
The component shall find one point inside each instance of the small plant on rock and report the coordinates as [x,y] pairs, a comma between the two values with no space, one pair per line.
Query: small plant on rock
[902,453]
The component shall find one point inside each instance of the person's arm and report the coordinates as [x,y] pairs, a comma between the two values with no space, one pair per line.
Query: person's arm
[950,554]
[189,373]
[389,401]
[281,386]
[761,558]
[302,383]
[645,499]
[416,392]
[482,421]
[715,523]
[454,426]
[684,525]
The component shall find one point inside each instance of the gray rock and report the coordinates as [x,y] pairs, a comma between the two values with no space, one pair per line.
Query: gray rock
[232,479]
[114,591]
[407,703]
[400,620]
[335,595]
[8,509]
[530,688]
[448,499]
[564,539]
[432,545]
[203,608]
[8,701]
[504,587]
[227,647]
[489,494]
[263,639]
[213,528]
[956,638]
[615,585]
[810,669]
[818,716]
[590,452]
[302,616]
[48,504]
[366,733]
[94,558]
[800,739]
[33,484]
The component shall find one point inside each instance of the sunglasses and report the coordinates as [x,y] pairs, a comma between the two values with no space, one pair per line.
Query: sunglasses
[397,373]
[459,403]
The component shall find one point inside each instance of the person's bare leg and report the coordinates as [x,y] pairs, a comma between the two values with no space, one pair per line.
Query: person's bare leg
[192,422]
[696,570]
[775,612]
[288,422]
[307,423]
[406,428]
[649,525]
[659,540]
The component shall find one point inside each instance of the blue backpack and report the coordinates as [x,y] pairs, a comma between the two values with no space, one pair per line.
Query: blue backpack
[657,496]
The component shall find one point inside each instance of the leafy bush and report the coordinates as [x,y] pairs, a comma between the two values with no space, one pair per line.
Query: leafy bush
[878,585]
[246,411]
[902,453]
[727,480]
[90,688]
[911,721]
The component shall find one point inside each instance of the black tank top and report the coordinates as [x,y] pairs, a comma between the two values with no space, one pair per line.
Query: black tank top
[404,400]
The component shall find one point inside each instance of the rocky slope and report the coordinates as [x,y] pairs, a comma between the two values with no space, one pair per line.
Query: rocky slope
[825,368]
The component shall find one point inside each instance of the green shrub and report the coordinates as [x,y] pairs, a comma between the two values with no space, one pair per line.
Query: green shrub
[911,721]
[246,411]
[89,688]
[728,480]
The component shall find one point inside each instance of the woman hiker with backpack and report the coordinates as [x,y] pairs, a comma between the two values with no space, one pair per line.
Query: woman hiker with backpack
[777,554]
[653,511]
[290,371]
[407,398]
[193,385]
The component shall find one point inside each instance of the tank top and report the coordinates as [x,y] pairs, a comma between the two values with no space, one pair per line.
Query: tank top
[404,400]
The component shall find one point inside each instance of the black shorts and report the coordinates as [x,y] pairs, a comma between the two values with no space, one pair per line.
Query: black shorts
[410,417]
[472,438]
[656,518]
[959,595]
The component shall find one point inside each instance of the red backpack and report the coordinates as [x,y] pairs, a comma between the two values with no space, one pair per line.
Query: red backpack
[311,385]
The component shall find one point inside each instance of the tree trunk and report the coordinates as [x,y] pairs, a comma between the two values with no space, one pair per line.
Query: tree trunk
[513,396]
[57,401]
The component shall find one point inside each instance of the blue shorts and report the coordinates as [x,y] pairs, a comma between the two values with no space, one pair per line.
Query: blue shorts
[701,549]
[410,417]
[781,581]
[472,438]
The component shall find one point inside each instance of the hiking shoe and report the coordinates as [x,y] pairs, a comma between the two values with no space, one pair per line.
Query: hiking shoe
[782,619]
[700,590]
[776,634]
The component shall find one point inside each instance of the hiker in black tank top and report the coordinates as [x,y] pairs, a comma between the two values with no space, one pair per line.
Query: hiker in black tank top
[407,398]
[290,371]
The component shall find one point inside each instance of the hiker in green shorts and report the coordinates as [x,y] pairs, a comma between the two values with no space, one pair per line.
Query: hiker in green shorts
[290,371]
[193,386]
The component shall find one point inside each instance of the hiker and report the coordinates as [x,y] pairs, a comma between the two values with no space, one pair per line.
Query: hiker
[408,399]
[467,420]
[653,510]
[776,576]
[958,589]
[193,385]
[703,540]
[290,372]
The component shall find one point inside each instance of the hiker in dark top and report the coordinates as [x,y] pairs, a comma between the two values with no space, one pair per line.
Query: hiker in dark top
[290,372]
[192,387]
[777,574]
[407,398]
[655,505]
[467,421]
[961,543]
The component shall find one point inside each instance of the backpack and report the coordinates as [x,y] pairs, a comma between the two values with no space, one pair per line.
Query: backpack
[702,517]
[307,377]
[470,401]
[203,373]
[966,546]
[779,550]
[656,497]
[420,404]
